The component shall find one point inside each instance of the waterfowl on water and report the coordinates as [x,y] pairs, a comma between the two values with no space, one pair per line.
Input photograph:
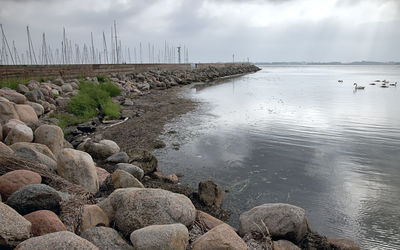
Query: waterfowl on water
[358,87]
[384,85]
[340,80]
[372,83]
[377,80]
[393,84]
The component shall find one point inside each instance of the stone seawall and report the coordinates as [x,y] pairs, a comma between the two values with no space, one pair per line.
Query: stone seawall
[78,70]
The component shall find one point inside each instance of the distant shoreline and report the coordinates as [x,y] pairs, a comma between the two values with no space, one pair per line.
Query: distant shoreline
[328,63]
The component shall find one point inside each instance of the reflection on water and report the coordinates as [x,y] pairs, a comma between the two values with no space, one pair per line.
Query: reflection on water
[296,135]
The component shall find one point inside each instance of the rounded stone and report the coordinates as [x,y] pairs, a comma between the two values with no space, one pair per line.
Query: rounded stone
[168,237]
[106,238]
[283,221]
[59,240]
[78,167]
[50,135]
[122,179]
[13,227]
[14,180]
[135,208]
[19,133]
[26,114]
[92,216]
[137,172]
[211,193]
[44,222]
[101,149]
[35,197]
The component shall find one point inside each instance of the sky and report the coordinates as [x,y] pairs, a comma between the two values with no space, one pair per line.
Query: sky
[215,30]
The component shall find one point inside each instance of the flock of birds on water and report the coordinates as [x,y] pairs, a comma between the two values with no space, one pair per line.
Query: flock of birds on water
[384,84]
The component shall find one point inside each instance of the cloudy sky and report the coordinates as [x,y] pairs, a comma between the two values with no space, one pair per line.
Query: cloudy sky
[213,30]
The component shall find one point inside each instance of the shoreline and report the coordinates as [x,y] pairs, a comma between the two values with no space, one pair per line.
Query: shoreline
[83,170]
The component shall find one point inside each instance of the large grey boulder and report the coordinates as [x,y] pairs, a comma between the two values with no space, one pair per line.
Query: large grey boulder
[7,111]
[34,95]
[106,238]
[78,167]
[60,240]
[167,237]
[19,133]
[34,146]
[10,124]
[283,221]
[13,227]
[26,114]
[120,157]
[34,197]
[38,108]
[134,208]
[101,149]
[123,179]
[50,135]
[32,155]
[13,96]
[132,169]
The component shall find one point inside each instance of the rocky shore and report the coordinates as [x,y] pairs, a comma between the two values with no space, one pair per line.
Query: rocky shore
[95,185]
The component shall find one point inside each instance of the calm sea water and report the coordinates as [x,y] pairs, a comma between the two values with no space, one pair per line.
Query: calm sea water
[295,135]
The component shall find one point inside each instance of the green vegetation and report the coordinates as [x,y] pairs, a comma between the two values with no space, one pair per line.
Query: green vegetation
[13,82]
[91,100]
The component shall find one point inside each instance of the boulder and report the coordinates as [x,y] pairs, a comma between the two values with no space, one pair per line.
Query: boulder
[32,155]
[7,111]
[32,84]
[210,193]
[19,133]
[13,96]
[14,180]
[283,221]
[59,81]
[145,160]
[13,227]
[34,197]
[59,240]
[106,238]
[34,95]
[284,245]
[67,88]
[50,135]
[92,216]
[135,208]
[22,89]
[38,108]
[101,149]
[168,237]
[343,244]
[45,222]
[123,179]
[34,146]
[78,167]
[220,237]
[62,102]
[120,157]
[5,150]
[26,114]
[102,175]
[137,172]
[10,125]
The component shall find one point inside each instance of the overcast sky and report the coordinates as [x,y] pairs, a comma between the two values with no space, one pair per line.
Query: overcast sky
[213,30]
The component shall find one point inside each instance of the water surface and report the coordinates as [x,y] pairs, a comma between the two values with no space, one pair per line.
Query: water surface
[295,135]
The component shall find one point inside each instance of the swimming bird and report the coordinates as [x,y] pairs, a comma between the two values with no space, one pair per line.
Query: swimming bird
[372,83]
[358,87]
[340,80]
[393,84]
[384,85]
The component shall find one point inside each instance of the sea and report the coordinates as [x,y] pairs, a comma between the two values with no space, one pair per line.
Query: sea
[295,134]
